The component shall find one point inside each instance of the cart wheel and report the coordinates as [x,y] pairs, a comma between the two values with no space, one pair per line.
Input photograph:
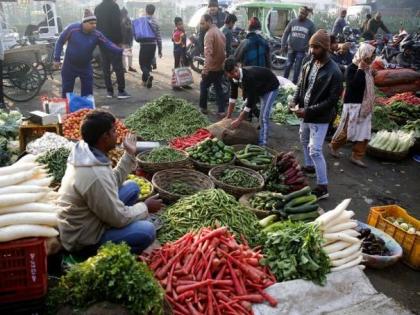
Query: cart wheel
[42,69]
[98,75]
[21,81]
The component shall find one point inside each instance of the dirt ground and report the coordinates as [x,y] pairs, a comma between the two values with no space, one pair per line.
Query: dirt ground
[381,183]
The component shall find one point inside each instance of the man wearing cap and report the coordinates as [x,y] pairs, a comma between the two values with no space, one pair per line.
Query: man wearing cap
[297,35]
[81,40]
[339,23]
[318,91]
[218,17]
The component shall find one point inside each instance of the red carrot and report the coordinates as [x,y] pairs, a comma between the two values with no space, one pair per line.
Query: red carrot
[185,295]
[235,280]
[273,302]
[164,270]
[214,233]
[254,298]
[170,279]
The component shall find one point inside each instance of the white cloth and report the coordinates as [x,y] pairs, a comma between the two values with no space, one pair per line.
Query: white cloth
[358,128]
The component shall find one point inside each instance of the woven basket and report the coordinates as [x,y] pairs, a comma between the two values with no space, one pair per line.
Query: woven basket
[216,172]
[205,168]
[162,180]
[244,200]
[386,155]
[239,147]
[151,167]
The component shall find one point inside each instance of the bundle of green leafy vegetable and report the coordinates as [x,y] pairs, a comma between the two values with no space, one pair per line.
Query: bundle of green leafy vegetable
[113,275]
[413,126]
[381,119]
[164,154]
[209,208]
[9,124]
[294,251]
[282,115]
[285,94]
[5,154]
[56,162]
[166,118]
[403,112]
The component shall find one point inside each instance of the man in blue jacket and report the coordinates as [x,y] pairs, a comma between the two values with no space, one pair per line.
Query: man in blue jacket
[81,39]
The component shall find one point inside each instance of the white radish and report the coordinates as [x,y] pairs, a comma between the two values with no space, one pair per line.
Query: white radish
[28,158]
[348,232]
[341,237]
[344,260]
[329,216]
[335,247]
[341,227]
[350,264]
[345,252]
[342,218]
[30,207]
[22,189]
[14,232]
[44,182]
[18,199]
[19,177]
[16,168]
[41,218]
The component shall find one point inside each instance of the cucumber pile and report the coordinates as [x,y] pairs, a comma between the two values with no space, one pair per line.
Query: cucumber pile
[211,151]
[297,206]
[255,156]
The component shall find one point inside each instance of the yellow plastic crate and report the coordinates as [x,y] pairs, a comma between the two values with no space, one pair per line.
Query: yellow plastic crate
[409,242]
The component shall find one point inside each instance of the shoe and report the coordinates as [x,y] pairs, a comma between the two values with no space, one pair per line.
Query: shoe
[204,111]
[149,82]
[123,95]
[154,66]
[109,94]
[333,152]
[358,162]
[131,69]
[144,83]
[176,88]
[309,171]
[321,192]
[187,87]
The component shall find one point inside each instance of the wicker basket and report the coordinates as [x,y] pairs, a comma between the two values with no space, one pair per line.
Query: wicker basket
[151,167]
[386,155]
[233,190]
[239,147]
[163,179]
[244,200]
[205,168]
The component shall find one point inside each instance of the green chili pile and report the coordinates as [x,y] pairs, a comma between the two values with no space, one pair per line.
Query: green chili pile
[56,162]
[182,188]
[166,118]
[209,208]
[164,154]
[239,178]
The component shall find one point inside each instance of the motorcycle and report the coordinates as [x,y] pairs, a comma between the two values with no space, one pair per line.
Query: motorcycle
[193,57]
[278,61]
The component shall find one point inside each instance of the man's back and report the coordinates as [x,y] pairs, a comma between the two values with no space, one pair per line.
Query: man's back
[109,20]
[214,49]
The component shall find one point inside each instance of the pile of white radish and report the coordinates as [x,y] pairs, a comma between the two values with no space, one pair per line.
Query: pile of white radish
[27,204]
[341,243]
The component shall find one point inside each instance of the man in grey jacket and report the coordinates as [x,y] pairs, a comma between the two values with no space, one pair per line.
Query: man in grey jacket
[297,35]
[97,204]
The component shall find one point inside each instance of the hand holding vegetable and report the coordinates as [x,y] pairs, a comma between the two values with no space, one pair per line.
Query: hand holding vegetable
[154,204]
[130,144]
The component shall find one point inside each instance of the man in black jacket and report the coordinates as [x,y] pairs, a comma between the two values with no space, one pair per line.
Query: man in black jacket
[258,85]
[108,16]
[315,100]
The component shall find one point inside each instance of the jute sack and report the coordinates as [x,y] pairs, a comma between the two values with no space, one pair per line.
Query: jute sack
[245,133]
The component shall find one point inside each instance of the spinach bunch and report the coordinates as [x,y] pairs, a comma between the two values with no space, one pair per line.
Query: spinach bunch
[113,275]
[294,251]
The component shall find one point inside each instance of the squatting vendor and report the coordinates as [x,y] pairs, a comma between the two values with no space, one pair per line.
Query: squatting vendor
[82,39]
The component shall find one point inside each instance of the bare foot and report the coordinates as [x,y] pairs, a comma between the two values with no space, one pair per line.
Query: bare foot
[358,162]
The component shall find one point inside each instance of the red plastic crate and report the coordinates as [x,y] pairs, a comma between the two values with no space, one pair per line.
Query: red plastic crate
[23,270]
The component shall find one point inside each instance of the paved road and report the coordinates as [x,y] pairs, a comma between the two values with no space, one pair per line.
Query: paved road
[380,183]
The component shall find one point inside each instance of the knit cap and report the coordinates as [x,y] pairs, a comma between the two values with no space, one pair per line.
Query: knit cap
[88,16]
[213,3]
[321,38]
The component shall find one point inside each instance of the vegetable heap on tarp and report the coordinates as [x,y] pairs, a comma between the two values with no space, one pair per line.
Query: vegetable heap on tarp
[113,275]
[166,118]
[209,208]
[208,272]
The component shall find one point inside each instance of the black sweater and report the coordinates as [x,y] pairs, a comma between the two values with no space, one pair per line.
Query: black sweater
[256,82]
[108,16]
[355,85]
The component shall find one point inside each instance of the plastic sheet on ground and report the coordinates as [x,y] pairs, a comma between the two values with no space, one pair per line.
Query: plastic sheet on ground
[343,292]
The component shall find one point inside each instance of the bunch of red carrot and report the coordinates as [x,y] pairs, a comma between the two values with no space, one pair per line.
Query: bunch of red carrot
[183,143]
[208,272]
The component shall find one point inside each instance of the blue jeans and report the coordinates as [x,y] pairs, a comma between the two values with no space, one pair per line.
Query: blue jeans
[267,101]
[312,137]
[296,58]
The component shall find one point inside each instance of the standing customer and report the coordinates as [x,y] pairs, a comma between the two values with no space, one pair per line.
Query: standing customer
[373,26]
[147,33]
[82,39]
[259,85]
[109,23]
[179,38]
[317,95]
[227,31]
[339,23]
[214,54]
[297,35]
[127,40]
[2,105]
[359,98]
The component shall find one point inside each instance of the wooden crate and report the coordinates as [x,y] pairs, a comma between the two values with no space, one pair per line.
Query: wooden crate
[29,132]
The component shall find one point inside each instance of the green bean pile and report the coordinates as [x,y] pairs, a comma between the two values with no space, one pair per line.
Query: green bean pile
[164,154]
[209,208]
[239,178]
